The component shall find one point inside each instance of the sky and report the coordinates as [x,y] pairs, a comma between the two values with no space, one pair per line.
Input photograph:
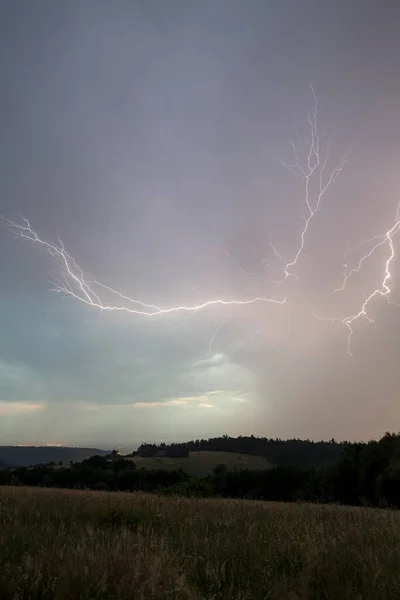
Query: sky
[168,145]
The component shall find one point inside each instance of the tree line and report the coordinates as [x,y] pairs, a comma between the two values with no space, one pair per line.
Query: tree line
[365,474]
[305,453]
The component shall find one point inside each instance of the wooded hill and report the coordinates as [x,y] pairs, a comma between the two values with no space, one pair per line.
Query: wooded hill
[303,453]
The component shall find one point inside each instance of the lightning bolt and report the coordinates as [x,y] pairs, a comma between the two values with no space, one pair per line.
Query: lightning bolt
[312,170]
[383,290]
[381,240]
[216,332]
[75,285]
[317,178]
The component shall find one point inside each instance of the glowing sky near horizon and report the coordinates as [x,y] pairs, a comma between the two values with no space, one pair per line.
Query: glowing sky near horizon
[149,138]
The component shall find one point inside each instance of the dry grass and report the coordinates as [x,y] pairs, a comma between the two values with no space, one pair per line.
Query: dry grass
[62,545]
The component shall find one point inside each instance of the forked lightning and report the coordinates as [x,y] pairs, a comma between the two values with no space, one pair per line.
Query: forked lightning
[75,284]
[383,290]
[317,180]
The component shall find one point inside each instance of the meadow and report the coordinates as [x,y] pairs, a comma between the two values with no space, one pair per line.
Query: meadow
[201,464]
[64,545]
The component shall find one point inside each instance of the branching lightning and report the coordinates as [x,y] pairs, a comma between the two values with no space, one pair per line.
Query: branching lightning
[317,179]
[315,168]
[383,290]
[75,285]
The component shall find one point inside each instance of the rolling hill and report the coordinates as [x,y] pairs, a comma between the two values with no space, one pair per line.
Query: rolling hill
[24,456]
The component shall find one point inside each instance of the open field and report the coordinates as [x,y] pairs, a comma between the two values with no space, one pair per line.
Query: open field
[200,464]
[64,545]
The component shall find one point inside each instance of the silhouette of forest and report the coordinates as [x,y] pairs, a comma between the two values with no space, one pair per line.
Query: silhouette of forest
[298,452]
[362,474]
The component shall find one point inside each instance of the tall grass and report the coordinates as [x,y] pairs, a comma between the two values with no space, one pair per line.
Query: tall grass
[62,545]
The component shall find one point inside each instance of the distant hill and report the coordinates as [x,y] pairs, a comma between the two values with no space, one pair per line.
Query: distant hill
[24,456]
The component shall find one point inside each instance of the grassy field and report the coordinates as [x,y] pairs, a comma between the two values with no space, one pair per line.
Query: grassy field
[200,464]
[64,545]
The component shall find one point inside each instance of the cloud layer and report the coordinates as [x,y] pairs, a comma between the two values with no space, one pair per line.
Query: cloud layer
[147,139]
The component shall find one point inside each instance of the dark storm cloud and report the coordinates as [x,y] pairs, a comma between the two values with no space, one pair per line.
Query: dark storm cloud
[146,136]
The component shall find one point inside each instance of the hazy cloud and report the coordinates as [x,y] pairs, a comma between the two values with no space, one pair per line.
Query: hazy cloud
[17,408]
[147,139]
